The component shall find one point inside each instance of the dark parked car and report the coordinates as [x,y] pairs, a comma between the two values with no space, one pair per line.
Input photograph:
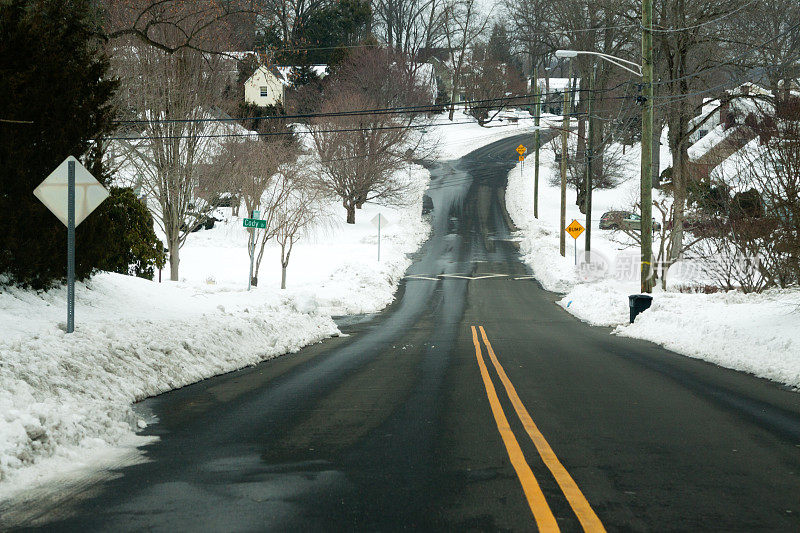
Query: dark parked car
[615,220]
[203,222]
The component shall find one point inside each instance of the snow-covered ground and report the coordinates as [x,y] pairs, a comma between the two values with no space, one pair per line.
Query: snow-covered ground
[755,333]
[463,134]
[65,400]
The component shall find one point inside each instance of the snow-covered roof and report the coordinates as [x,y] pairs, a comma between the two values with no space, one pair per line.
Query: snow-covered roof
[287,71]
[559,84]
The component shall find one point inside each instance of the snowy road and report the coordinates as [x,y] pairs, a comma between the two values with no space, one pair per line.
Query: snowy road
[418,420]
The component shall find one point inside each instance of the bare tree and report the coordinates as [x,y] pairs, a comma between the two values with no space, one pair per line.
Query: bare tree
[301,210]
[172,96]
[777,59]
[408,26]
[689,40]
[764,214]
[464,24]
[488,83]
[361,153]
[172,25]
[255,170]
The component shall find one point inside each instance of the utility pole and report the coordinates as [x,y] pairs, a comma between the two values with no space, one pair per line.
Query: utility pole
[647,147]
[536,141]
[564,131]
[589,167]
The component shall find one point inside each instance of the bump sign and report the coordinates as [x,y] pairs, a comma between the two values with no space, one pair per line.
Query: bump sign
[575,229]
[521,150]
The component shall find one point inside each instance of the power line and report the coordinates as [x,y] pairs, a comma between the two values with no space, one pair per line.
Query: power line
[702,24]
[283,133]
[375,111]
[732,60]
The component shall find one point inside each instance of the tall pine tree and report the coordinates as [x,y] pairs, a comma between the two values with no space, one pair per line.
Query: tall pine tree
[55,97]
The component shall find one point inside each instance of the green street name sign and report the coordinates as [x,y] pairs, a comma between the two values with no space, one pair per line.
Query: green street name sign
[254,223]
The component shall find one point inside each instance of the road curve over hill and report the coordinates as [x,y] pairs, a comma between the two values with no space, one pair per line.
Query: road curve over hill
[472,403]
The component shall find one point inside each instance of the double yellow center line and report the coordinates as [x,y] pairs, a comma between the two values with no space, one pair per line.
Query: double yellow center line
[536,500]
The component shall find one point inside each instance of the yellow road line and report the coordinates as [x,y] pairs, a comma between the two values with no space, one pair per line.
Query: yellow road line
[536,500]
[577,500]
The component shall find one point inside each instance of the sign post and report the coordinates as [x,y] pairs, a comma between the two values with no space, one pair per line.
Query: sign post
[377,221]
[521,151]
[575,229]
[70,246]
[71,193]
[253,223]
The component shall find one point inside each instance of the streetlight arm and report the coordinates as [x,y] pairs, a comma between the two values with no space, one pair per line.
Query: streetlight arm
[618,61]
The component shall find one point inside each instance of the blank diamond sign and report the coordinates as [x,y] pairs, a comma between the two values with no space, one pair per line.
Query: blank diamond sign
[89,194]
[71,193]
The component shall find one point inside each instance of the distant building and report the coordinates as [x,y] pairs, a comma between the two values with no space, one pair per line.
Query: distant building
[267,86]
[552,91]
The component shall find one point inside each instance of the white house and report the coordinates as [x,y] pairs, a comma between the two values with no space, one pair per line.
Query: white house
[267,86]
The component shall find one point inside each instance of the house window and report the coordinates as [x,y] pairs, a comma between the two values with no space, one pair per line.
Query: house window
[264,91]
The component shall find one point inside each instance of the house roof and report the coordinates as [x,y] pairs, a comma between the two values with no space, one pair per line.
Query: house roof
[284,73]
[558,84]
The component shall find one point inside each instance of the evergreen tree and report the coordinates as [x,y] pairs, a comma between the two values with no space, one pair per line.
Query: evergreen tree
[133,247]
[499,46]
[54,101]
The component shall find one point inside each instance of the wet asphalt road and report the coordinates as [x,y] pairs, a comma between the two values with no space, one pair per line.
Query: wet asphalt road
[393,427]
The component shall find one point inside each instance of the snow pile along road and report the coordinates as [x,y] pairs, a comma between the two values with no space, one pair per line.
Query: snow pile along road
[63,396]
[66,399]
[754,333]
[134,338]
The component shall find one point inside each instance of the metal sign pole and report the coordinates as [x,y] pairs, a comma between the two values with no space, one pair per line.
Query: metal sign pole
[576,251]
[70,247]
[379,239]
[252,253]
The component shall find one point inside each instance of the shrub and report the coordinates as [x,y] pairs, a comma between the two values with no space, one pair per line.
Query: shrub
[47,46]
[134,248]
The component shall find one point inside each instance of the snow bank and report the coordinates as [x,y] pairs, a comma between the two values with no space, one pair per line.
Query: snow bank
[133,339]
[756,333]
[66,399]
[753,333]
[464,134]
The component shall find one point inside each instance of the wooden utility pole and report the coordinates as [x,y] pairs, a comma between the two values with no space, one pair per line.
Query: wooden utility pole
[589,168]
[536,141]
[564,132]
[647,147]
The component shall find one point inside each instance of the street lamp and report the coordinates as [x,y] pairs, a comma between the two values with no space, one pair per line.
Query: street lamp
[645,72]
[630,66]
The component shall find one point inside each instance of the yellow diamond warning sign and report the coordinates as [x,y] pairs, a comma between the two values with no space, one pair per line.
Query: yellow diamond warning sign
[521,149]
[575,229]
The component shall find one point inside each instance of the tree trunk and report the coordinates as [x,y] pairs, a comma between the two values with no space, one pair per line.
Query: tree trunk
[283,277]
[351,212]
[680,177]
[452,103]
[174,259]
[580,198]
[657,129]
